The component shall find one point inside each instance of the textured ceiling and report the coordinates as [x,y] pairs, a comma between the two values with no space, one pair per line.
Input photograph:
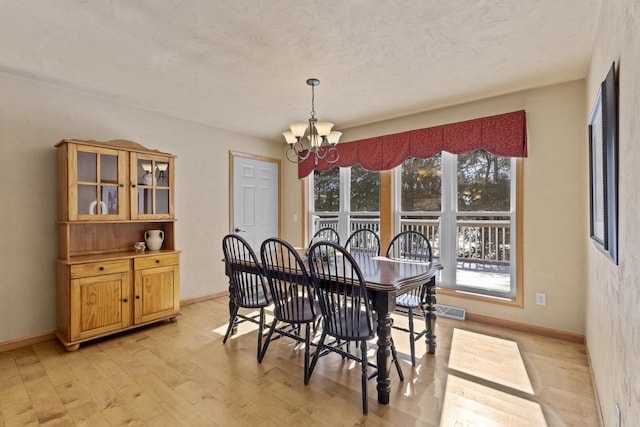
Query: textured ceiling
[242,64]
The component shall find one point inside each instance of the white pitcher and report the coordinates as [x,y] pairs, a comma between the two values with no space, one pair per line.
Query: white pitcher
[154,239]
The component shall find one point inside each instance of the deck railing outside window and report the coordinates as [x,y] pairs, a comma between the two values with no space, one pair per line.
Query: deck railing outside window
[479,241]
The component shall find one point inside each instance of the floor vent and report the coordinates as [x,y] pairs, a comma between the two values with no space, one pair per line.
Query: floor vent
[450,312]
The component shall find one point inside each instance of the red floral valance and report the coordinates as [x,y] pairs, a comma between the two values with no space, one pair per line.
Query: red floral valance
[504,135]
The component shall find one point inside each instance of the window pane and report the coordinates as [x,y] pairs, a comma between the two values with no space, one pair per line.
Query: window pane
[421,184]
[87,167]
[145,201]
[108,169]
[109,197]
[484,182]
[326,190]
[162,202]
[145,177]
[365,190]
[429,225]
[484,253]
[162,174]
[87,201]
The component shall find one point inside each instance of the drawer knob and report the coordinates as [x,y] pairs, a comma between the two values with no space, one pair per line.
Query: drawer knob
[157,261]
[126,300]
[101,268]
[137,296]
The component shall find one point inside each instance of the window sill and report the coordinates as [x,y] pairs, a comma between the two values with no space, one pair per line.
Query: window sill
[516,303]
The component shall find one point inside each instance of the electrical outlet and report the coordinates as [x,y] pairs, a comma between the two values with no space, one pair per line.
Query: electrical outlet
[617,421]
[541,298]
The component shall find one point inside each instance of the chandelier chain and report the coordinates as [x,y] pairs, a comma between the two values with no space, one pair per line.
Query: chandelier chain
[313,101]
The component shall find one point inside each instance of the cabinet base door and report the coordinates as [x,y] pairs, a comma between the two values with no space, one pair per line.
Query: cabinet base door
[157,293]
[99,305]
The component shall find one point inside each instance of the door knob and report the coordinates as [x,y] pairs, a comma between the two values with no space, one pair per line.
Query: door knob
[237,230]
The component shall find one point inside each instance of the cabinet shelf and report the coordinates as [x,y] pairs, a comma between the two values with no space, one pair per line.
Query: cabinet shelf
[106,237]
[118,221]
[116,256]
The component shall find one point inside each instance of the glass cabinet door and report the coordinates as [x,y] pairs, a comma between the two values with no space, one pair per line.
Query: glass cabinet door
[152,191]
[100,184]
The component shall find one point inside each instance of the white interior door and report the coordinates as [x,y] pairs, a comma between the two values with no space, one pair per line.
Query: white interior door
[255,199]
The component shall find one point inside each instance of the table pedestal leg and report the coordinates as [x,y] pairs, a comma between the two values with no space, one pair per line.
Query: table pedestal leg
[383,305]
[431,316]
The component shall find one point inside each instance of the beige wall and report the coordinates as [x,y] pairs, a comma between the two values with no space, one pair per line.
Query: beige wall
[554,199]
[292,231]
[34,117]
[613,292]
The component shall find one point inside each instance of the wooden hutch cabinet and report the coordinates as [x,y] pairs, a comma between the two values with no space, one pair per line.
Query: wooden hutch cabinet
[109,194]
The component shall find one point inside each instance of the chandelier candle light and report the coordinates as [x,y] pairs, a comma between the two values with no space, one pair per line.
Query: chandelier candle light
[321,140]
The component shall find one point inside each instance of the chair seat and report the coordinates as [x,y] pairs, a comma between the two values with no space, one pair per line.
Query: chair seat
[408,301]
[347,323]
[258,301]
[303,314]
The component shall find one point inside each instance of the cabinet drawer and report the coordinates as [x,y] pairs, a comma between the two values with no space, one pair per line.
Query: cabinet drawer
[99,268]
[155,261]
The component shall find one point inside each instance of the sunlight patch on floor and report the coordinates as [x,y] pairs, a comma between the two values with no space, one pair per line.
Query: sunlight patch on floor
[490,358]
[243,327]
[470,404]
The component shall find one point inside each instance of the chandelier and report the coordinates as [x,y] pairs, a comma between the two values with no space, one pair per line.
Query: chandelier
[321,140]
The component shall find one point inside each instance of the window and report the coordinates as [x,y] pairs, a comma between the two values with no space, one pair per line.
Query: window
[330,206]
[465,205]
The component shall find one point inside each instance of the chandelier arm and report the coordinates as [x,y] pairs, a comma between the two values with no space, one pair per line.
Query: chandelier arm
[332,150]
[321,154]
[324,148]
[292,155]
[297,156]
[299,148]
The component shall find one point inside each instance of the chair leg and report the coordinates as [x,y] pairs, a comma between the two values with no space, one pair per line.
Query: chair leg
[232,322]
[394,355]
[307,344]
[267,340]
[412,340]
[365,377]
[260,329]
[316,354]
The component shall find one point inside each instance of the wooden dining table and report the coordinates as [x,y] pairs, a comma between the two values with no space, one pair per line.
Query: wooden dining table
[386,279]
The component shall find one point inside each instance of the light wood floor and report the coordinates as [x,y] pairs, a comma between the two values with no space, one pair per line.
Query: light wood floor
[181,374]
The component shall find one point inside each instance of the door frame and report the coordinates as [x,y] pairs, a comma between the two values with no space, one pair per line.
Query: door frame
[231,175]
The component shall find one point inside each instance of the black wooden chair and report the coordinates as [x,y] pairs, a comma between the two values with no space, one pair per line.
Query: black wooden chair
[363,242]
[415,247]
[292,295]
[325,234]
[346,311]
[248,290]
